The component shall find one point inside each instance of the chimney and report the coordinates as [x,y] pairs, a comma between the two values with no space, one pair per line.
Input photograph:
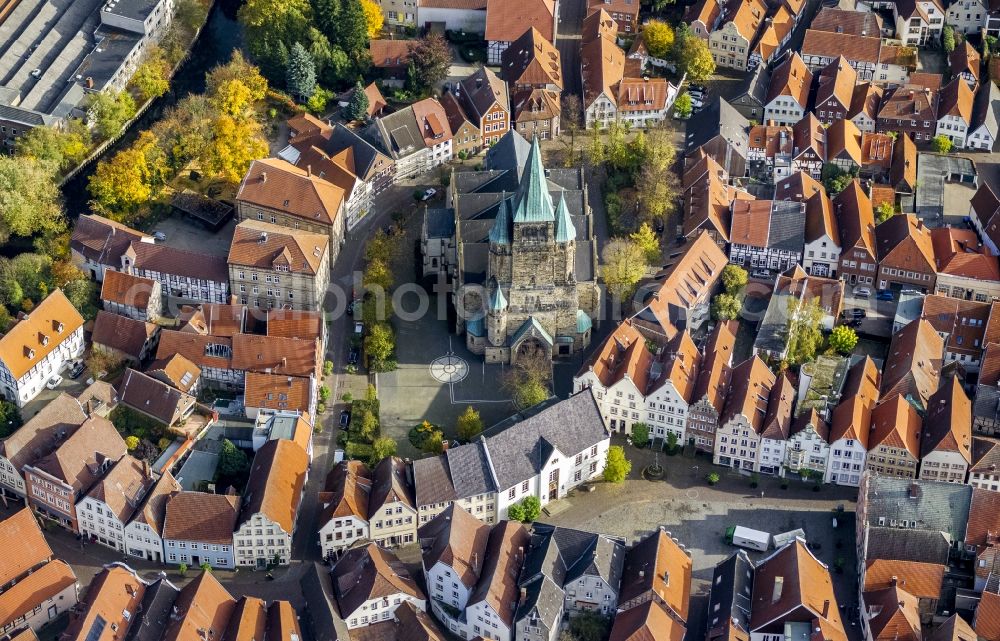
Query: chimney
[146,469]
[826,608]
[524,593]
[263,177]
[779,583]
[893,580]
[642,574]
[309,170]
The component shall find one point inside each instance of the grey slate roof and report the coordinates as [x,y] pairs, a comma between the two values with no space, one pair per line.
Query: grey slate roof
[519,451]
[718,118]
[364,153]
[157,604]
[543,597]
[788,226]
[942,507]
[732,591]
[897,544]
[510,152]
[986,110]
[755,84]
[401,133]
[470,470]
[432,482]
[576,553]
[440,223]
[987,404]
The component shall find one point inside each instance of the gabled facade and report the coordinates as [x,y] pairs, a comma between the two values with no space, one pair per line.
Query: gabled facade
[850,424]
[109,505]
[905,254]
[837,83]
[392,514]
[344,514]
[730,43]
[788,95]
[955,111]
[856,222]
[946,443]
[737,440]
[894,442]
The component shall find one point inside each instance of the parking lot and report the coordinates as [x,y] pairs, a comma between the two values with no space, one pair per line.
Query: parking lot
[183,234]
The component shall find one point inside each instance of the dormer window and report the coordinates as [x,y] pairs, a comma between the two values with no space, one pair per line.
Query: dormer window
[31,353]
[43,339]
[59,328]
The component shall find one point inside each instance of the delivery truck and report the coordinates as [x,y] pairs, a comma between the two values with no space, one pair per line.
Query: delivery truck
[744,537]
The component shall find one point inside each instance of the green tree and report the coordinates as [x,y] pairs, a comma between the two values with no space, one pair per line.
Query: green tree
[433,442]
[948,38]
[271,27]
[380,342]
[941,144]
[712,478]
[382,448]
[232,460]
[55,149]
[82,293]
[659,38]
[109,112]
[352,32]
[617,467]
[30,202]
[378,274]
[470,425]
[640,434]
[692,56]
[656,184]
[684,105]
[529,394]
[734,279]
[515,512]
[884,212]
[300,78]
[206,566]
[623,266]
[431,59]
[368,426]
[318,102]
[532,508]
[131,442]
[725,307]
[10,418]
[804,334]
[589,626]
[843,339]
[129,179]
[151,77]
[182,569]
[646,239]
[357,108]
[835,179]
[528,381]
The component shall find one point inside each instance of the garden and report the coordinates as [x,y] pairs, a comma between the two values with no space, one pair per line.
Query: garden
[362,439]
[145,437]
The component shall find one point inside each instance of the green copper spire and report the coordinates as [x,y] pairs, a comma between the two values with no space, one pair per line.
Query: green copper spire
[500,232]
[534,204]
[565,231]
[497,301]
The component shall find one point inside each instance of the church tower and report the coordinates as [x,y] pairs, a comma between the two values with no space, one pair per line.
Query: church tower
[496,316]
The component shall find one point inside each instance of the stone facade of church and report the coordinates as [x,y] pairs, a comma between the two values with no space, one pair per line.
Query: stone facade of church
[536,292]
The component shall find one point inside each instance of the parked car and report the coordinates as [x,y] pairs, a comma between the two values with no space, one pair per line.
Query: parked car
[862,292]
[76,368]
[159,236]
[883,294]
[910,291]
[854,312]
[762,273]
[429,194]
[854,323]
[345,418]
[54,382]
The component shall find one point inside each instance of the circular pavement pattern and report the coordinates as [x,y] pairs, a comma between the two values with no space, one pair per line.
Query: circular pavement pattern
[449,369]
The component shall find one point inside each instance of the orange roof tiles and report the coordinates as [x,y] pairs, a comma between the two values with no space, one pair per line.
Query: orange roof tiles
[829,44]
[203,604]
[206,518]
[791,78]
[948,425]
[602,67]
[958,252]
[114,596]
[897,615]
[913,366]
[751,220]
[276,355]
[855,218]
[458,540]
[836,84]
[646,622]
[347,488]
[274,488]
[746,16]
[248,621]
[506,21]
[793,578]
[896,424]
[749,393]
[922,580]
[126,289]
[276,184]
[23,544]
[957,100]
[39,333]
[34,590]
[387,54]
[844,141]
[657,565]
[78,460]
[262,245]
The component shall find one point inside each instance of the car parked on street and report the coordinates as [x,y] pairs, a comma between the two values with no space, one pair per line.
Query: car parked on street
[54,381]
[352,358]
[883,294]
[862,292]
[854,312]
[76,368]
[345,418]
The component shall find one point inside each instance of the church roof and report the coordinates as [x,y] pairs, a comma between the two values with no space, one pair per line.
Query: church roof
[534,203]
[475,326]
[583,321]
[526,327]
[500,232]
[497,300]
[565,231]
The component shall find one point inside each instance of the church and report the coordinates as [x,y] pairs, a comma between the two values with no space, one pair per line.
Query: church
[516,245]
